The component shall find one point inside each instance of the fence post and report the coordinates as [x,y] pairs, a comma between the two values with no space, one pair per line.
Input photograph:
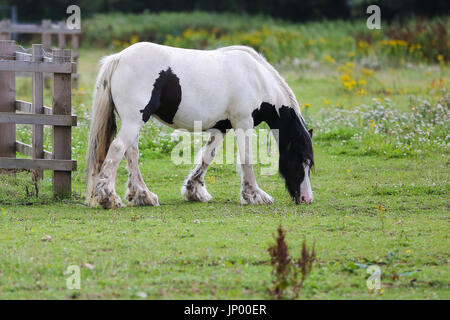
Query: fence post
[46,37]
[62,36]
[62,144]
[75,44]
[5,24]
[38,107]
[7,101]
[47,45]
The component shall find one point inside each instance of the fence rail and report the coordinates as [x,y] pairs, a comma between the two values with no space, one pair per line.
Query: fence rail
[46,29]
[13,60]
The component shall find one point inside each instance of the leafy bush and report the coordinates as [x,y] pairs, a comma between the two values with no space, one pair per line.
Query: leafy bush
[279,41]
[103,29]
[419,40]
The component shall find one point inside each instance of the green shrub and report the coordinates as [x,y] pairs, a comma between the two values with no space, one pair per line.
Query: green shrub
[418,41]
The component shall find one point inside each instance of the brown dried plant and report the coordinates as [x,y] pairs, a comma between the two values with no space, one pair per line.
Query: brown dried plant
[288,275]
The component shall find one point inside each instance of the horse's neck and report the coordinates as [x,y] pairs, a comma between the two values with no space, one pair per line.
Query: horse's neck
[277,94]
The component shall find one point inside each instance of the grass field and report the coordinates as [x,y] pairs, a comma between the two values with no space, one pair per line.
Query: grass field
[373,206]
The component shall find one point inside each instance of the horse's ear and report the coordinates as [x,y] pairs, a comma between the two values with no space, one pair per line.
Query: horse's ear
[310,133]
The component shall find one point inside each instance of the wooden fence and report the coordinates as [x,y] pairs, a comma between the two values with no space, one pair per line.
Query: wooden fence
[46,29]
[59,115]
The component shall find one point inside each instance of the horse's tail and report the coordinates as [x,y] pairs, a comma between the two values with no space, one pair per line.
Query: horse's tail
[103,122]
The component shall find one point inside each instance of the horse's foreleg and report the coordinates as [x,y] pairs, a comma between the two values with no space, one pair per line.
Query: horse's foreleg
[250,192]
[104,190]
[137,192]
[194,187]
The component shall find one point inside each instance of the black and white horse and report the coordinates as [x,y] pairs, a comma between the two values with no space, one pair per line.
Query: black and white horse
[231,87]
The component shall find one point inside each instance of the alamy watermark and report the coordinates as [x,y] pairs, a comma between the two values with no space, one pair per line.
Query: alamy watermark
[195,147]
[374,20]
[73,281]
[74,20]
[374,281]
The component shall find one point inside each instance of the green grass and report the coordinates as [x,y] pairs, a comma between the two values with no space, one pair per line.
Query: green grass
[219,250]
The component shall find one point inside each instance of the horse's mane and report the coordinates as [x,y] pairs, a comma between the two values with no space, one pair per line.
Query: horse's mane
[260,58]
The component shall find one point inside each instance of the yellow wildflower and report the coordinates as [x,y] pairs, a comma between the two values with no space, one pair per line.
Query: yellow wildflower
[348,86]
[134,39]
[306,105]
[345,78]
[363,44]
[328,59]
[361,91]
[367,72]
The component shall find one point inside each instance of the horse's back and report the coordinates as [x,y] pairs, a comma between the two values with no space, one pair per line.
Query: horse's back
[212,82]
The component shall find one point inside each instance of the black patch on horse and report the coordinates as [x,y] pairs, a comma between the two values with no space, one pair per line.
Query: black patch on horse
[266,113]
[223,126]
[165,98]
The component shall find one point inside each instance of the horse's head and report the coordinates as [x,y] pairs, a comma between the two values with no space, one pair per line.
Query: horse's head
[296,155]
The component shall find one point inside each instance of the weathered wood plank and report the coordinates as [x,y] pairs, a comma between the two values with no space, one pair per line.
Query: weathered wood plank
[61,36]
[43,119]
[33,29]
[62,136]
[29,66]
[25,106]
[5,35]
[75,55]
[7,101]
[27,150]
[46,37]
[21,56]
[7,27]
[38,107]
[24,148]
[61,165]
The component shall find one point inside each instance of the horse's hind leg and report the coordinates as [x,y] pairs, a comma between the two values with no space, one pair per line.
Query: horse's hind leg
[137,192]
[104,190]
[194,187]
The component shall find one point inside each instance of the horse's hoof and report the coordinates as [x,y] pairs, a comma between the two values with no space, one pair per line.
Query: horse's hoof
[113,201]
[255,196]
[142,198]
[195,192]
[105,197]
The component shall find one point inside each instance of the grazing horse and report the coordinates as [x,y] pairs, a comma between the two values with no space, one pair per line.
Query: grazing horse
[231,87]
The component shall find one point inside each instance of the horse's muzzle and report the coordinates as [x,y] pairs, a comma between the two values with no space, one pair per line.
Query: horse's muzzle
[303,199]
